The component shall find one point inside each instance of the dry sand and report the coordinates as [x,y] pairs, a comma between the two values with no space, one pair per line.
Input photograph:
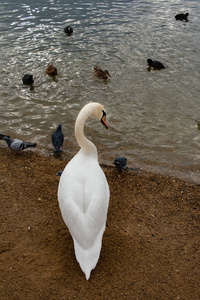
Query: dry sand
[151,246]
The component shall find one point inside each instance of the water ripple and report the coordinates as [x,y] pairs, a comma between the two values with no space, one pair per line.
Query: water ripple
[151,115]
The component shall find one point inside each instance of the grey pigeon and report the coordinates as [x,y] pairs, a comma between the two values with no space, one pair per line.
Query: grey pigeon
[2,135]
[155,64]
[57,139]
[18,145]
[120,163]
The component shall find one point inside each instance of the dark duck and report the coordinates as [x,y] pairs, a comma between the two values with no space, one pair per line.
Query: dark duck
[68,30]
[182,17]
[28,79]
[155,64]
[100,73]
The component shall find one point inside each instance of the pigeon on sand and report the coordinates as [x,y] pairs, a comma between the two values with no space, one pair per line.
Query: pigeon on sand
[18,145]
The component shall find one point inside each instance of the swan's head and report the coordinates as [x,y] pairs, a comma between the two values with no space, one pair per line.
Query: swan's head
[93,109]
[99,113]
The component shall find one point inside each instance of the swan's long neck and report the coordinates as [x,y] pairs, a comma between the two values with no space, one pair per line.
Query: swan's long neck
[87,146]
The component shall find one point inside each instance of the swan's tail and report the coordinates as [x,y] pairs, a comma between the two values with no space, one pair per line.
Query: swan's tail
[88,258]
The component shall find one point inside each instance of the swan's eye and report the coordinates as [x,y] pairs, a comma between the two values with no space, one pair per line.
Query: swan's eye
[103,119]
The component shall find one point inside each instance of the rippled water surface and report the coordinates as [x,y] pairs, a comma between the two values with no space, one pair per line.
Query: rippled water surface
[153,116]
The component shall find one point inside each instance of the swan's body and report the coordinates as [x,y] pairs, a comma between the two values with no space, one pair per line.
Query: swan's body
[83,194]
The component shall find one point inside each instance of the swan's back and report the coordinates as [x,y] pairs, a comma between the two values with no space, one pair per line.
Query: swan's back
[83,198]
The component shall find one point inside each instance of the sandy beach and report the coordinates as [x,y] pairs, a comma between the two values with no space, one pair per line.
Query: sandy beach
[150,247]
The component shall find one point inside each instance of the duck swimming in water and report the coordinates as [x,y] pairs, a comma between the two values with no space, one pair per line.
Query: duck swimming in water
[182,17]
[51,70]
[100,73]
[68,30]
[28,79]
[155,64]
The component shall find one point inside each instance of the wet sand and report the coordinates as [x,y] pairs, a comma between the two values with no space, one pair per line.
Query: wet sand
[151,246]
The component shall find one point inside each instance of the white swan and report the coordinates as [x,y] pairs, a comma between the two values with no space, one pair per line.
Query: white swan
[83,194]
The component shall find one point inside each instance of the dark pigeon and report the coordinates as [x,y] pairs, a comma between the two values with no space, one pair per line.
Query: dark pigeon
[182,17]
[28,79]
[120,163]
[2,135]
[68,30]
[59,173]
[155,64]
[57,139]
[18,145]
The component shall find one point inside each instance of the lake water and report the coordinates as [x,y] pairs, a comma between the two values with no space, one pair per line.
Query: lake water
[152,116]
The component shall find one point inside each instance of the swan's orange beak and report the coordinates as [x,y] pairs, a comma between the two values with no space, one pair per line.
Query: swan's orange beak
[103,120]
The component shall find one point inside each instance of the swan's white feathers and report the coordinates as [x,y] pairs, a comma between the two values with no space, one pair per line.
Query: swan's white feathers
[89,258]
[84,207]
[83,195]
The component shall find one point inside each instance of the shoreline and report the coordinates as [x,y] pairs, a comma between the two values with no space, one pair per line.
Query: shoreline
[150,245]
[189,173]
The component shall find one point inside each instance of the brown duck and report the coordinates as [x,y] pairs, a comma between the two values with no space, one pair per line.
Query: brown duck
[51,70]
[100,73]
